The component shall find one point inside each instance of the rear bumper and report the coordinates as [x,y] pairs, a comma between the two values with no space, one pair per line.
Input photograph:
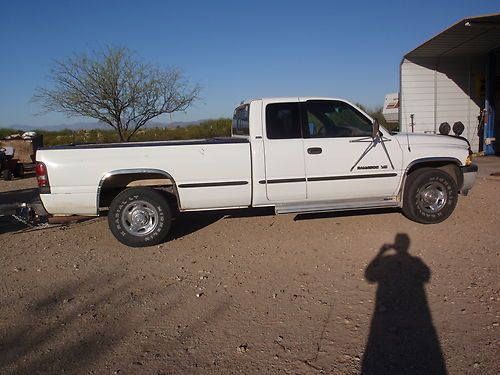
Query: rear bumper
[469,174]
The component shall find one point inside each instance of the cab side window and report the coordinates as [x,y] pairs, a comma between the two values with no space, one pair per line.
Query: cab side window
[240,123]
[334,119]
[283,121]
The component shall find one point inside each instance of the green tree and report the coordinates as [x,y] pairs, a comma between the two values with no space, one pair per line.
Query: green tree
[116,88]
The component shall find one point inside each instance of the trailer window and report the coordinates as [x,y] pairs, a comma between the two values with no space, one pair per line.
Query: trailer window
[240,124]
[283,121]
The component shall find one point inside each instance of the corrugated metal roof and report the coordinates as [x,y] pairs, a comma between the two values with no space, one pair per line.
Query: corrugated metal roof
[468,37]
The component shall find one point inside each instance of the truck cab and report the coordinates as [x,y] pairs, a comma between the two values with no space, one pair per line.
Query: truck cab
[311,154]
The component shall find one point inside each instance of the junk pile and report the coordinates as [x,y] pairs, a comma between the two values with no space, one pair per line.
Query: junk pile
[18,154]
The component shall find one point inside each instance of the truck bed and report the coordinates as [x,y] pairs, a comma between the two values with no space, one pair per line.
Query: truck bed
[208,173]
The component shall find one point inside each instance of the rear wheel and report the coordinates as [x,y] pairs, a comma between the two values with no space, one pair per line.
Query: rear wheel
[139,217]
[430,196]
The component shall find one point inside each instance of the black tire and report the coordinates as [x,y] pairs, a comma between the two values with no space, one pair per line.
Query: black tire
[19,170]
[430,196]
[7,175]
[140,217]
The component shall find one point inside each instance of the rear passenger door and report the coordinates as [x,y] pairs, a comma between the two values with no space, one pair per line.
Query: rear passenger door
[283,151]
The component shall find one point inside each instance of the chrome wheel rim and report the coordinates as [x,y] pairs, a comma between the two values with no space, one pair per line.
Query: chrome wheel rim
[432,197]
[139,218]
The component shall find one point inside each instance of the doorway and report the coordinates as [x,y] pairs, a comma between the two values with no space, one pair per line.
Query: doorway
[492,104]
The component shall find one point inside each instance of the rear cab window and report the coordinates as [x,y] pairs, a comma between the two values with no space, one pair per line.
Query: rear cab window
[240,125]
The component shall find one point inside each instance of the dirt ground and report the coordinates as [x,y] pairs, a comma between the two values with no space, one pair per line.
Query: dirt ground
[253,293]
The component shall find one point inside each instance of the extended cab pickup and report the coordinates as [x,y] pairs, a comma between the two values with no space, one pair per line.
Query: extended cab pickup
[297,155]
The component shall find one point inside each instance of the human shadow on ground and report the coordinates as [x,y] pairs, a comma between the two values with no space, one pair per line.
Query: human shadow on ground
[402,337]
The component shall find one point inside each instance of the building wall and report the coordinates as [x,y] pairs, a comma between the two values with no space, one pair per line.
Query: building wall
[417,95]
[442,90]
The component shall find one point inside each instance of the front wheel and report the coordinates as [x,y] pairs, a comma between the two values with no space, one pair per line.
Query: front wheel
[430,196]
[139,217]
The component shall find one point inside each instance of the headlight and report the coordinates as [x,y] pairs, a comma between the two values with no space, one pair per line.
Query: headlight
[468,161]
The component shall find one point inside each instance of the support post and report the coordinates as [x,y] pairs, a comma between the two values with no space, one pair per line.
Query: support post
[489,126]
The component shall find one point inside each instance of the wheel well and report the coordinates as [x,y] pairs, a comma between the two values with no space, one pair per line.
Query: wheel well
[447,166]
[112,185]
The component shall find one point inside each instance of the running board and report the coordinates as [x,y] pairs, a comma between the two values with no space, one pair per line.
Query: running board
[339,205]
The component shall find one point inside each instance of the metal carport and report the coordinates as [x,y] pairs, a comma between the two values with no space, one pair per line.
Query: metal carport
[451,78]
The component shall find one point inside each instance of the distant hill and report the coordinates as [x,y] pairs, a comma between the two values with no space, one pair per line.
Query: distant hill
[98,125]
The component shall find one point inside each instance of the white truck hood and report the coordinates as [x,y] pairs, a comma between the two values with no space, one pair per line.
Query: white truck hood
[430,139]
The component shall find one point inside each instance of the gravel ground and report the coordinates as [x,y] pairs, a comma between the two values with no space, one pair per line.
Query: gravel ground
[250,292]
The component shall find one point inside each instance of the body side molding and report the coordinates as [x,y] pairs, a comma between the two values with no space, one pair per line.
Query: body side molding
[212,184]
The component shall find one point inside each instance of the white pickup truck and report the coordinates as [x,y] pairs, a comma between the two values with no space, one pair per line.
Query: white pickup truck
[298,155]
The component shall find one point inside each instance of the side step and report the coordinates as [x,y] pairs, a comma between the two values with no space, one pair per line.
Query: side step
[338,205]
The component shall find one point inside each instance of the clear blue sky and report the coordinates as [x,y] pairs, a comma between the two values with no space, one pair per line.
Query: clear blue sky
[235,49]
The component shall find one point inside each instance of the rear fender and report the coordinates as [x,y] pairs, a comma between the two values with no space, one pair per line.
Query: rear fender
[124,178]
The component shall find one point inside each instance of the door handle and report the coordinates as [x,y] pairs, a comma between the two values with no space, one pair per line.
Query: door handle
[314,150]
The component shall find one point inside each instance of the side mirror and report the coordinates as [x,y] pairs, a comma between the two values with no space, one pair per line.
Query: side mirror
[376,128]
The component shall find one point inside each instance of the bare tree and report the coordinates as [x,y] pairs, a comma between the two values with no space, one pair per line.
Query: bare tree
[114,87]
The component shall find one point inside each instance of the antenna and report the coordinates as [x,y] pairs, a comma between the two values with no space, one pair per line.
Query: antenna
[412,115]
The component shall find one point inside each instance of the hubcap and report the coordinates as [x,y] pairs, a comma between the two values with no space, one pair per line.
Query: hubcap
[432,197]
[139,218]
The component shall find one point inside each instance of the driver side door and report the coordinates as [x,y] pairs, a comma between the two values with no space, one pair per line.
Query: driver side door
[342,159]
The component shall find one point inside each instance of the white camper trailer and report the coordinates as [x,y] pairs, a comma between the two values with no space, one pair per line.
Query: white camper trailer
[391,108]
